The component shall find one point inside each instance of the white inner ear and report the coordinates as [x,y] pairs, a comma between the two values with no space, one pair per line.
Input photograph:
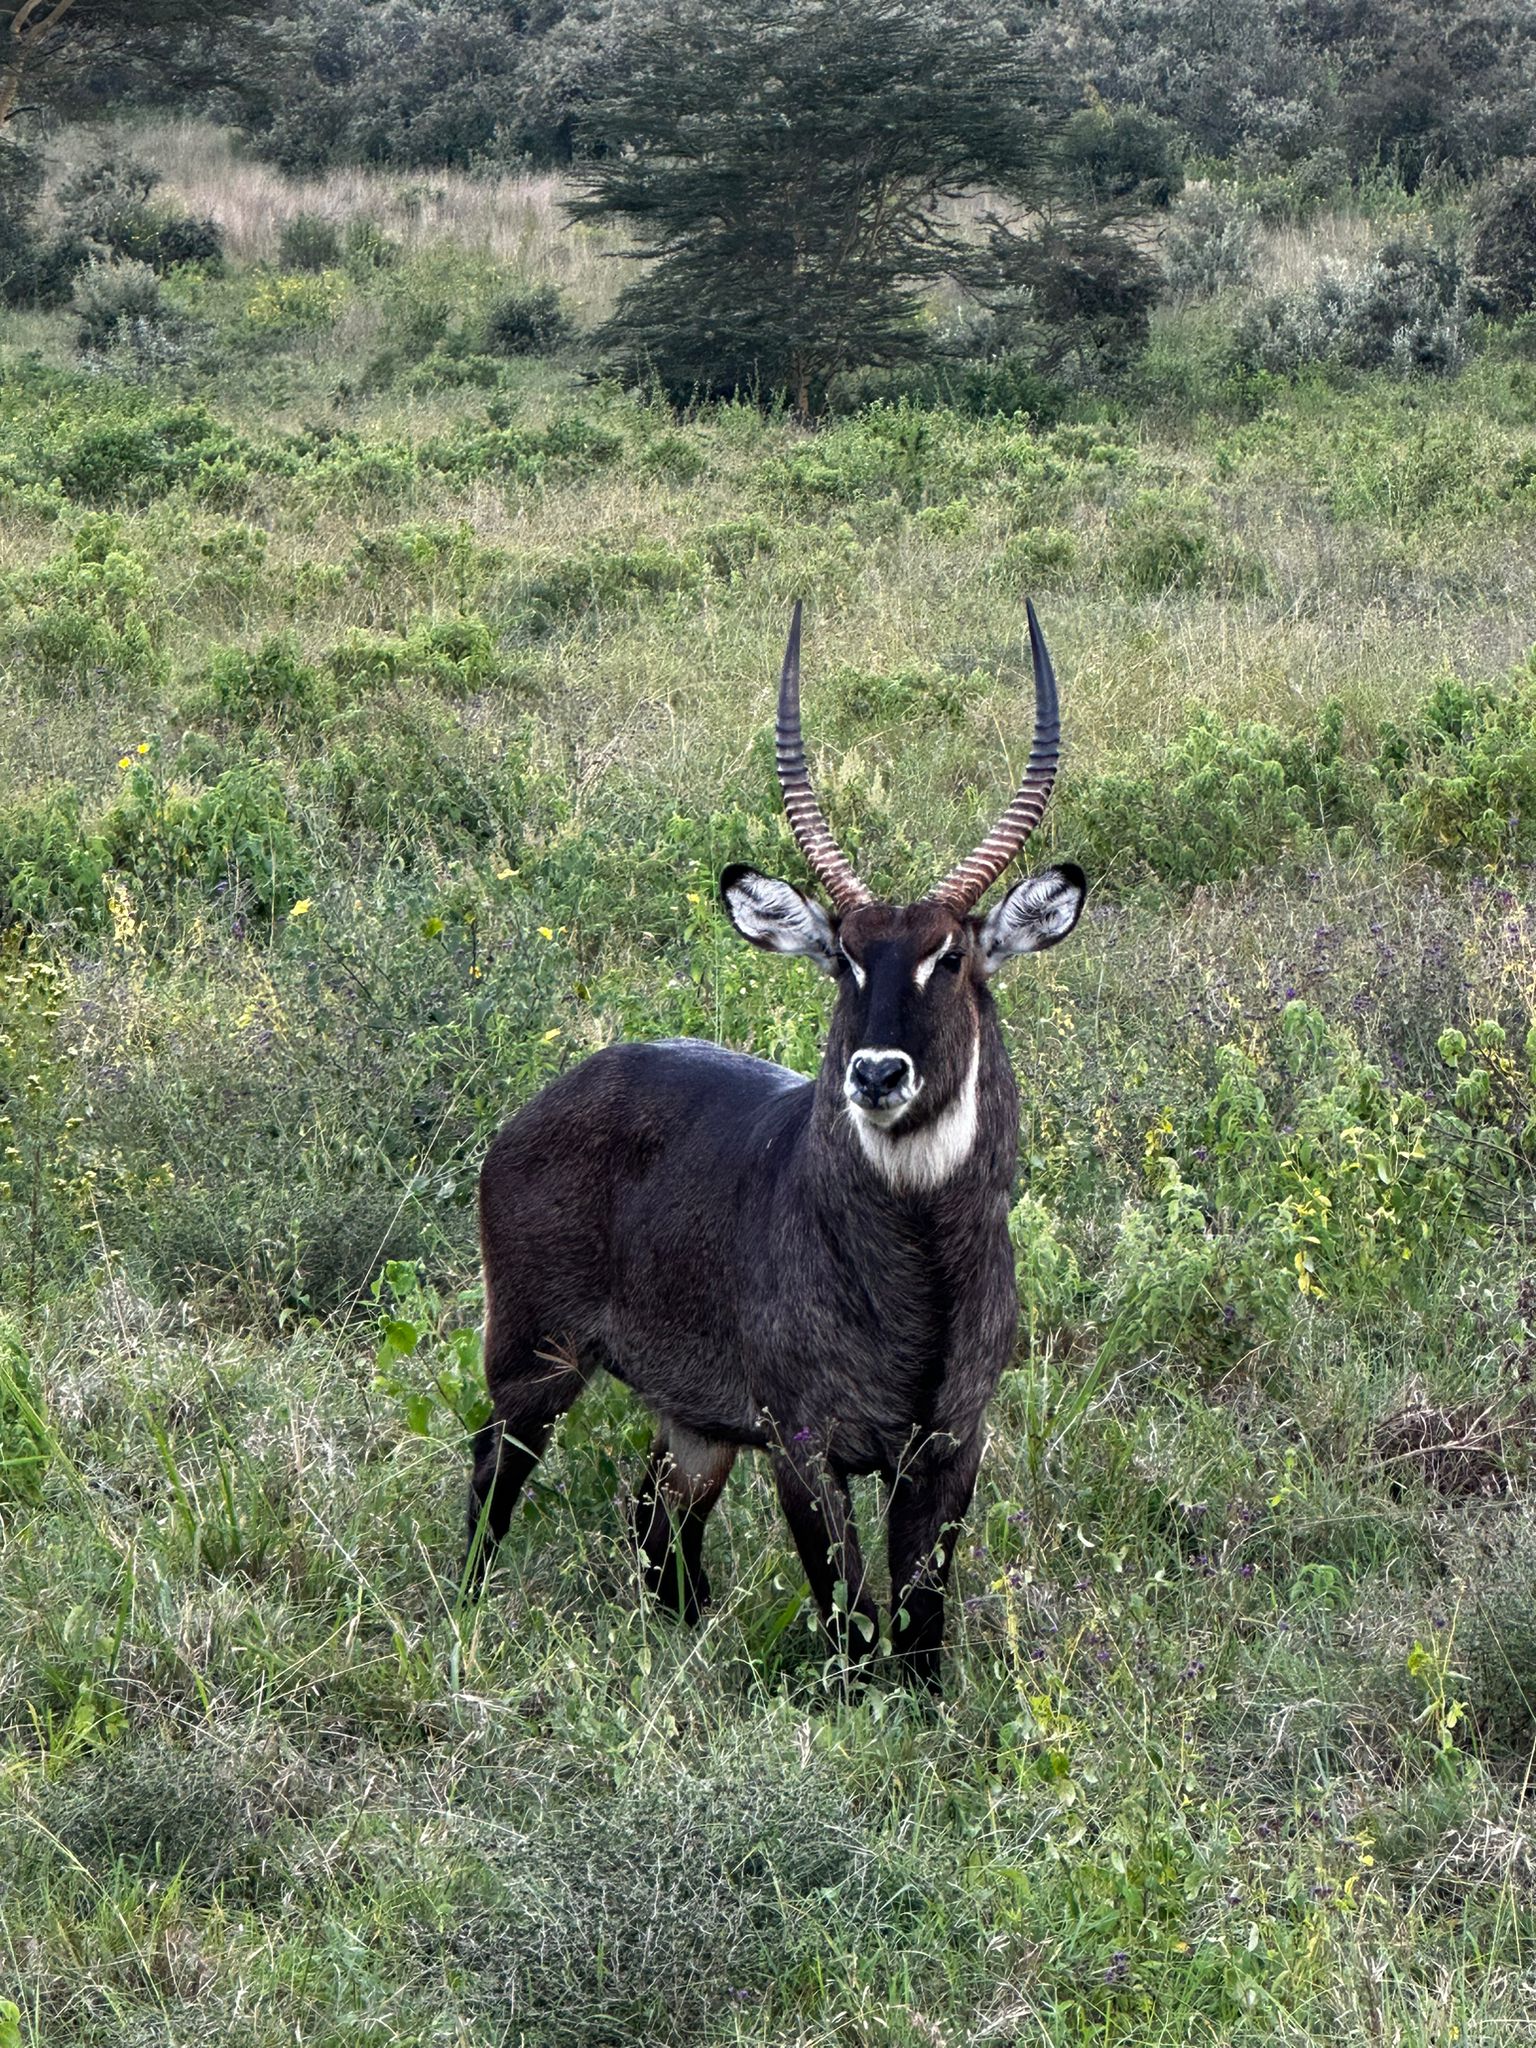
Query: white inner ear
[773,914]
[1035,913]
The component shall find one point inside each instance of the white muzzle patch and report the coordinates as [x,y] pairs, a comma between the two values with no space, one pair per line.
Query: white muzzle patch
[880,1085]
[924,1159]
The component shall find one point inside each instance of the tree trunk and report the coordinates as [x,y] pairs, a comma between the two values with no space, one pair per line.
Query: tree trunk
[10,85]
[26,31]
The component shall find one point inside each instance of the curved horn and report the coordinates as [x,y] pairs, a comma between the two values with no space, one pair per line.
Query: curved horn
[812,834]
[963,887]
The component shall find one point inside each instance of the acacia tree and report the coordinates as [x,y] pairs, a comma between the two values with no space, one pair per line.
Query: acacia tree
[50,49]
[786,167]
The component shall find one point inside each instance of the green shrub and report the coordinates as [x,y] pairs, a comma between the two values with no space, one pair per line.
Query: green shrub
[1408,310]
[1463,776]
[1035,559]
[1219,804]
[1209,246]
[454,656]
[106,211]
[235,839]
[308,241]
[607,576]
[1503,252]
[1161,544]
[51,869]
[1303,1175]
[408,775]
[120,304]
[293,306]
[732,545]
[98,609]
[137,456]
[231,561]
[1119,156]
[34,269]
[273,684]
[366,248]
[528,320]
[450,369]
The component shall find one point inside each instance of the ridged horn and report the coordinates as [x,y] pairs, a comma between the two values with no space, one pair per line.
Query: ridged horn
[963,887]
[813,836]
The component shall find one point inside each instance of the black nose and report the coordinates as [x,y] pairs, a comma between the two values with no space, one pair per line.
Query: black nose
[875,1077]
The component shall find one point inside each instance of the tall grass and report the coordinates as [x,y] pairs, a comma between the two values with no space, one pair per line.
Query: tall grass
[376,715]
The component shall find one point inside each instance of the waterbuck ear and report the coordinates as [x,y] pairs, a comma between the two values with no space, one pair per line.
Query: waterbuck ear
[1036,913]
[776,916]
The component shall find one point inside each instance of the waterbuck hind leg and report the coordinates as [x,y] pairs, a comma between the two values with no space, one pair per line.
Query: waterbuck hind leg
[928,1503]
[819,1511]
[531,1386]
[684,1477]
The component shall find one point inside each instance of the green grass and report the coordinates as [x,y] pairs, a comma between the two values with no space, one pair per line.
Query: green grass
[372,741]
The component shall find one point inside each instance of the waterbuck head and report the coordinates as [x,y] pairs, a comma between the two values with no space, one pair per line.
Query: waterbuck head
[906,1039]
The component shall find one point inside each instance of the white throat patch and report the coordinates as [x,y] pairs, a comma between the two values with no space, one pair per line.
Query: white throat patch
[927,1158]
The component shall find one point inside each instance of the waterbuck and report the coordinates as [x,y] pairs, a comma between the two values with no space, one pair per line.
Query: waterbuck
[818,1269]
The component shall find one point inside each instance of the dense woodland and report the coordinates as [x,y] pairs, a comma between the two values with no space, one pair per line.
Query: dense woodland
[416,423]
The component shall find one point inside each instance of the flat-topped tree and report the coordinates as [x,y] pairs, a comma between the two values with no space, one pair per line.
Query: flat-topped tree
[788,167]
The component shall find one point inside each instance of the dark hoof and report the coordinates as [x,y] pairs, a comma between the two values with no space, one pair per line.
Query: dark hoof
[687,1600]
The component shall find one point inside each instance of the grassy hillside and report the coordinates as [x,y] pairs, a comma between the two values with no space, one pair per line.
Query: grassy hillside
[376,714]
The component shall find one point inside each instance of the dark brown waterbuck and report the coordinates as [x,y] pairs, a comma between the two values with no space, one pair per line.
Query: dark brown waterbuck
[818,1269]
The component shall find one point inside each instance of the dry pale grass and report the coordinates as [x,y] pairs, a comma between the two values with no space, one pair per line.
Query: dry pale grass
[513,217]
[1290,258]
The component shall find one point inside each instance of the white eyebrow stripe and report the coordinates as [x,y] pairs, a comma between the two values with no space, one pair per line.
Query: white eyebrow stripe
[922,973]
[860,977]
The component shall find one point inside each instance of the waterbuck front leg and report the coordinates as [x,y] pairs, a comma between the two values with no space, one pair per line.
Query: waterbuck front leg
[816,1503]
[684,1477]
[929,1499]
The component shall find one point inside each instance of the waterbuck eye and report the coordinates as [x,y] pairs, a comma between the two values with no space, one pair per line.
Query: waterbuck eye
[952,962]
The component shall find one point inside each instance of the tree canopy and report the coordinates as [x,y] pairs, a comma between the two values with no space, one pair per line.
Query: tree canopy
[793,169]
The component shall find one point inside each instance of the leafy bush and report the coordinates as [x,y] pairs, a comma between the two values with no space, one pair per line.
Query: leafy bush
[308,241]
[120,306]
[286,307]
[52,869]
[1039,557]
[1464,774]
[1408,310]
[236,837]
[106,212]
[273,683]
[134,454]
[407,774]
[31,270]
[1111,156]
[606,576]
[97,608]
[1503,254]
[454,656]
[1218,804]
[425,1363]
[528,320]
[366,248]
[1303,1174]
[1076,294]
[1209,246]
